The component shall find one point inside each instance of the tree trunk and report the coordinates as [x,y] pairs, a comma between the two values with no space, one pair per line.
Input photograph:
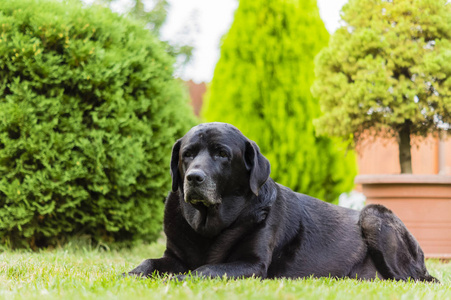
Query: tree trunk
[405,156]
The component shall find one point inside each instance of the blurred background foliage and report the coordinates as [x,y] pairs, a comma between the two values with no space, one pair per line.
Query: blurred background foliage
[261,84]
[89,111]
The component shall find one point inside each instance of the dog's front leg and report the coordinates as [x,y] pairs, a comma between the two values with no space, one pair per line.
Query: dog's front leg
[230,270]
[160,266]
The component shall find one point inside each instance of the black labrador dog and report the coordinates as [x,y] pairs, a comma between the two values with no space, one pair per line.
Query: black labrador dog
[226,216]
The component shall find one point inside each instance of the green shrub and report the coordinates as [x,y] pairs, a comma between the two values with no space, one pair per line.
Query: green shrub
[88,115]
[262,85]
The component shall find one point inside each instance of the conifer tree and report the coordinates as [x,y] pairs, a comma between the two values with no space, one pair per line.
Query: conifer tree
[262,85]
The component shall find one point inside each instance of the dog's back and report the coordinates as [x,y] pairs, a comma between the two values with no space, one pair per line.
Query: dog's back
[316,238]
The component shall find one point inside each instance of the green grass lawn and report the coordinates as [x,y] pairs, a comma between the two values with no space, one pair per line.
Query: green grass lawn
[80,272]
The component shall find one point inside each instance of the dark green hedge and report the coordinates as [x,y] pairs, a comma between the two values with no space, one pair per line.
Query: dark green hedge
[89,111]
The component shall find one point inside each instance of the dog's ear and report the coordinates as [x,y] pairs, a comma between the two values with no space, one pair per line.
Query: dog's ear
[175,174]
[258,166]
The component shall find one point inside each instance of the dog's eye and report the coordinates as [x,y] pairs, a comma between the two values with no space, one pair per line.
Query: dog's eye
[223,154]
[188,154]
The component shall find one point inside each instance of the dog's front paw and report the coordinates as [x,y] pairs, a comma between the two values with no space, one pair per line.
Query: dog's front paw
[175,278]
[179,278]
[133,274]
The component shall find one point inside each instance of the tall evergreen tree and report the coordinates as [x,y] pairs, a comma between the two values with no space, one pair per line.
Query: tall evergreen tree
[262,85]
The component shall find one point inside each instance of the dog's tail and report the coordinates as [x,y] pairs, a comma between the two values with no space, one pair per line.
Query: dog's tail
[393,249]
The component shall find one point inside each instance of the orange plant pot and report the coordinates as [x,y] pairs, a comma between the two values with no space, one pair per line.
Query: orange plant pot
[422,202]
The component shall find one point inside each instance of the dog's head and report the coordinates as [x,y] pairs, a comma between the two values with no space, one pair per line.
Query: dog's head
[216,170]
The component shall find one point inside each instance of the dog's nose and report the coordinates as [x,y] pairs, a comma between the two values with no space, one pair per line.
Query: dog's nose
[196,176]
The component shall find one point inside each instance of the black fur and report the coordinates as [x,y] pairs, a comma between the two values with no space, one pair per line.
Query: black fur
[226,216]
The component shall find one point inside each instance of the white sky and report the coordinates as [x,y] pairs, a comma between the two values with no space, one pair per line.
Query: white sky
[202,23]
[208,20]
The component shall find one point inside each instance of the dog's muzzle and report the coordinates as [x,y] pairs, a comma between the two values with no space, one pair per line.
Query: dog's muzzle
[200,189]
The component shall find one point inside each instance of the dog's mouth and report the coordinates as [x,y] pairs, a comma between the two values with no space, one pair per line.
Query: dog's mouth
[198,200]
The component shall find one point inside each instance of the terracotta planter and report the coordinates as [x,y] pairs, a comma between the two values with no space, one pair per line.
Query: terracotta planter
[422,202]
